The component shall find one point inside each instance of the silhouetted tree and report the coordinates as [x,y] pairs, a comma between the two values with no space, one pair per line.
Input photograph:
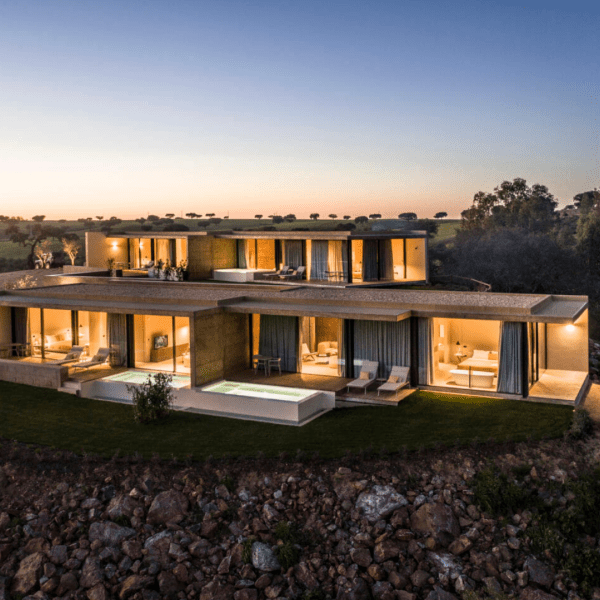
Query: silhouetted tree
[346,217]
[375,216]
[276,219]
[332,216]
[440,215]
[38,218]
[361,220]
[408,216]
[315,216]
[32,239]
[259,217]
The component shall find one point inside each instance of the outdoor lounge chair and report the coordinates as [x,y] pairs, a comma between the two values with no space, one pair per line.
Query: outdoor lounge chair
[72,356]
[368,374]
[307,354]
[397,380]
[297,274]
[283,271]
[98,359]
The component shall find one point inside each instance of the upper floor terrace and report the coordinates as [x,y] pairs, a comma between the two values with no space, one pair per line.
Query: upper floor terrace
[332,258]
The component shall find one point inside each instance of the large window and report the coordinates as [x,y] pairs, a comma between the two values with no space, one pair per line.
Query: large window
[465,353]
[162,343]
[91,331]
[321,346]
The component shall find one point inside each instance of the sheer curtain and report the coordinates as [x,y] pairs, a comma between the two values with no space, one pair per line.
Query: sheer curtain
[369,261]
[510,367]
[278,338]
[117,339]
[387,342]
[425,353]
[338,258]
[292,253]
[386,260]
[319,259]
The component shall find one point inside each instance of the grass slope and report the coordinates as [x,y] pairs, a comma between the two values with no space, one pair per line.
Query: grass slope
[51,418]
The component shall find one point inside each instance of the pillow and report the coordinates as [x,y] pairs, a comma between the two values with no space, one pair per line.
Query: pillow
[480,354]
[393,379]
[365,375]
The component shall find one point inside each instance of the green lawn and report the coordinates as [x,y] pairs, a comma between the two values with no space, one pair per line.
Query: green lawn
[51,418]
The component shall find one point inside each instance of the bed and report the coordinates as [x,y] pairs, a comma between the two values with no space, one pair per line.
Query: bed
[482,360]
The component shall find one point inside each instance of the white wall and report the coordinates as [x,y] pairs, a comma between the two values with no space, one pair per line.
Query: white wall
[568,346]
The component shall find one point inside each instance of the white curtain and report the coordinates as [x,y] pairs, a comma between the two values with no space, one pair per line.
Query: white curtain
[338,258]
[510,367]
[387,342]
[319,259]
[425,350]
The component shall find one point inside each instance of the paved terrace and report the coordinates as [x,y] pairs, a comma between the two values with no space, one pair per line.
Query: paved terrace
[298,300]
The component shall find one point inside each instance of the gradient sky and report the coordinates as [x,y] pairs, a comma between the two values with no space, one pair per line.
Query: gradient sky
[128,107]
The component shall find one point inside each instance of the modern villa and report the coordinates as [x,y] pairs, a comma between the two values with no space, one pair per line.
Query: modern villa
[277,325]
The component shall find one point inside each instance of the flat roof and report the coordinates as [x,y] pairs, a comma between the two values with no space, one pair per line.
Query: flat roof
[386,304]
[274,235]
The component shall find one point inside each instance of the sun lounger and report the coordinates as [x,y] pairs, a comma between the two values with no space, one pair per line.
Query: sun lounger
[283,271]
[297,274]
[72,356]
[397,380]
[98,359]
[368,374]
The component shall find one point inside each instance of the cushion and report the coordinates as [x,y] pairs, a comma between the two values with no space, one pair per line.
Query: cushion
[481,354]
[493,356]
[393,379]
[365,375]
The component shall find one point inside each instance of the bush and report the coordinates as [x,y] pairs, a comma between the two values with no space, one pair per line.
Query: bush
[581,425]
[288,555]
[153,399]
[494,493]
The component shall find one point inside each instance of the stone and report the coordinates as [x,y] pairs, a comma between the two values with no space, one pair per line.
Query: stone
[58,554]
[385,550]
[376,572]
[246,594]
[439,593]
[460,545]
[382,590]
[533,594]
[91,574]
[538,572]
[168,507]
[168,584]
[445,563]
[134,583]
[404,595]
[263,558]
[398,580]
[109,533]
[224,566]
[436,520]
[419,578]
[132,548]
[28,574]
[305,577]
[68,583]
[361,556]
[98,592]
[158,546]
[380,502]
[121,506]
[357,589]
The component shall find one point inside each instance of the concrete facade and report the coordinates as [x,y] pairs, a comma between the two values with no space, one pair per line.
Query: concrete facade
[39,375]
[221,343]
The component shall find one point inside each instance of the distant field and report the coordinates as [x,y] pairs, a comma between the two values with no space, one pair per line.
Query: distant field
[13,251]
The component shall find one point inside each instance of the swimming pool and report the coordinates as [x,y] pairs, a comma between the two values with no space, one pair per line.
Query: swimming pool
[238,275]
[139,377]
[259,391]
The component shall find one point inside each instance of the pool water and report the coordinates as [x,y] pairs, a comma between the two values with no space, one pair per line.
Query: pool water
[259,391]
[139,377]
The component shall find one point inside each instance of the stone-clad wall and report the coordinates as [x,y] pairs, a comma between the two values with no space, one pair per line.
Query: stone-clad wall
[5,325]
[200,257]
[220,346]
[47,376]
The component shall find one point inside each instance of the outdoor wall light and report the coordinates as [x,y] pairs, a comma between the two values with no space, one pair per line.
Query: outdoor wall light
[114,245]
[570,328]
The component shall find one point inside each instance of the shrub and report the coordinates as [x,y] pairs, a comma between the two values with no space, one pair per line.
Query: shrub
[247,550]
[494,493]
[581,425]
[152,400]
[288,555]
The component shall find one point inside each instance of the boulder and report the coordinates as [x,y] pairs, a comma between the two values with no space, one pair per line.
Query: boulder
[133,584]
[109,533]
[380,502]
[28,575]
[98,592]
[121,506]
[438,593]
[305,576]
[91,574]
[386,550]
[357,589]
[538,572]
[158,547]
[263,558]
[361,556]
[437,521]
[533,594]
[168,507]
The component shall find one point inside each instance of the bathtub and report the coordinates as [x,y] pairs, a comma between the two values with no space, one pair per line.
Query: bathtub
[479,379]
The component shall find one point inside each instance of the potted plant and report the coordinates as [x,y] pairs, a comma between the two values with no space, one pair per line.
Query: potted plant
[162,270]
[182,272]
[111,263]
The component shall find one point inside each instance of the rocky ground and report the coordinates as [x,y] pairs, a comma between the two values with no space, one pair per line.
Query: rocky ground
[400,527]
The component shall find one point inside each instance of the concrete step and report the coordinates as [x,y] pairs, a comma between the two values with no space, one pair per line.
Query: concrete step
[70,387]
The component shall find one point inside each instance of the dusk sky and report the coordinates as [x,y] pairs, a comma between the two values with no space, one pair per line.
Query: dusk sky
[129,107]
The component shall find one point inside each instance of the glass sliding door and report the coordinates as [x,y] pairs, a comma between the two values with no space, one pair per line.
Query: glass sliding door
[322,346]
